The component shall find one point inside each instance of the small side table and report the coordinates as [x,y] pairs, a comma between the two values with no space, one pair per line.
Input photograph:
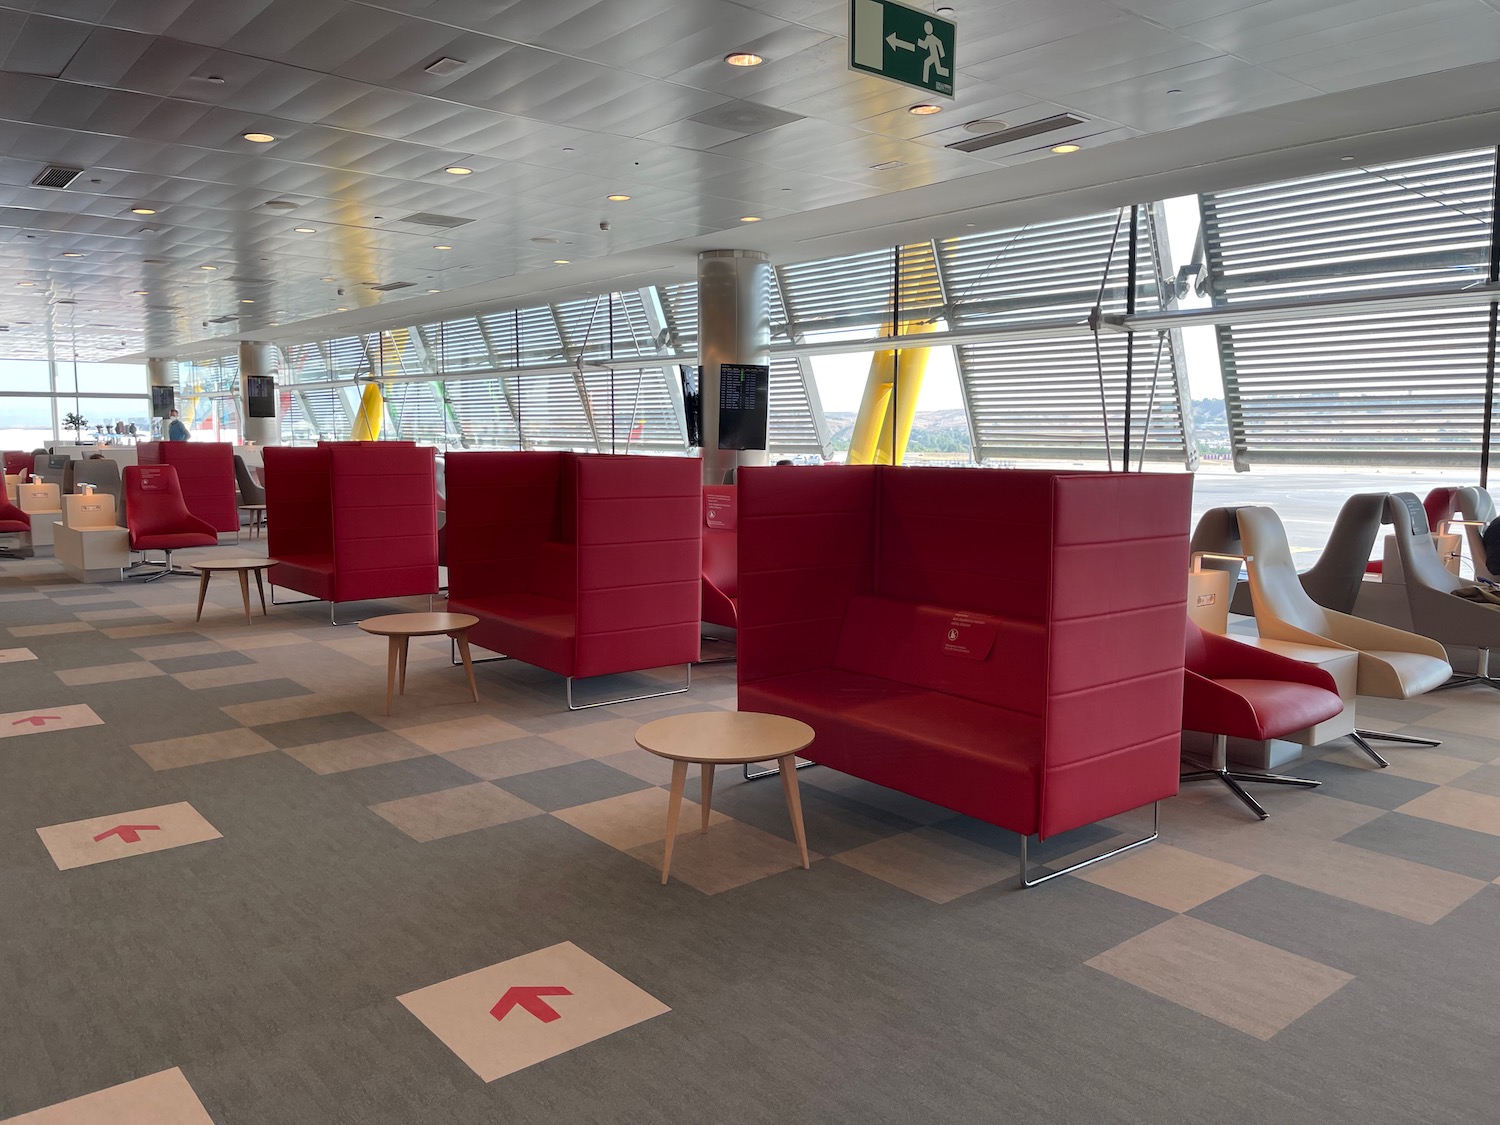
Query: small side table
[244,568]
[257,518]
[402,627]
[726,738]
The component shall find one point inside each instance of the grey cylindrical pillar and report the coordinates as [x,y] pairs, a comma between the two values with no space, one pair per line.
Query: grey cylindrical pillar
[160,373]
[734,326]
[257,359]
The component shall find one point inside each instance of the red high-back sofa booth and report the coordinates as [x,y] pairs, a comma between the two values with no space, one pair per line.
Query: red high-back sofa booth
[584,565]
[1007,644]
[352,521]
[720,554]
[205,470]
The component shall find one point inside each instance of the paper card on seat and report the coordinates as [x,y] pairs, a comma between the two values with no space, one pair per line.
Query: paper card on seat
[970,636]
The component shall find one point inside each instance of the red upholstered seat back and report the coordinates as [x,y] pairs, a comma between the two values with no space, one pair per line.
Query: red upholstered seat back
[501,508]
[206,472]
[384,520]
[908,642]
[1440,505]
[299,502]
[12,519]
[17,462]
[154,505]
[555,572]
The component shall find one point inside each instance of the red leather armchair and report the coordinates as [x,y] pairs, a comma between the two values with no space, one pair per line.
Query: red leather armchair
[13,521]
[159,520]
[1232,690]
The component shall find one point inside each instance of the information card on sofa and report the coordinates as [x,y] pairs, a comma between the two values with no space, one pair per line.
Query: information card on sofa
[970,636]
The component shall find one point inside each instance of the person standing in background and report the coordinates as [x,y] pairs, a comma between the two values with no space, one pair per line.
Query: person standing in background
[175,429]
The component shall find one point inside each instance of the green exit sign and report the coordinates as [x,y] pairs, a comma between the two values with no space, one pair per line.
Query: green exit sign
[906,45]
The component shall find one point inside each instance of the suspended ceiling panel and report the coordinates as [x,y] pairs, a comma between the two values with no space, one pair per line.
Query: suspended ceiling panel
[560,103]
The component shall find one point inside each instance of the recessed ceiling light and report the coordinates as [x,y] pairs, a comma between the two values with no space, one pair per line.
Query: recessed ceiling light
[154,261]
[143,210]
[341,309]
[306,230]
[142,292]
[325,279]
[562,261]
[743,58]
[925,109]
[1346,158]
[214,78]
[434,290]
[442,246]
[247,300]
[208,267]
[25,284]
[749,218]
[260,138]
[458,170]
[71,254]
[617,198]
[1065,149]
[280,204]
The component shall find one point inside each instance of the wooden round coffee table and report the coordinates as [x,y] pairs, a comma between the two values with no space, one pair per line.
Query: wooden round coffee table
[245,568]
[402,627]
[726,738]
[257,518]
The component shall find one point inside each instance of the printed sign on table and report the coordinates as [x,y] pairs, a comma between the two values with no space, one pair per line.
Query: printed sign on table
[509,1016]
[970,636]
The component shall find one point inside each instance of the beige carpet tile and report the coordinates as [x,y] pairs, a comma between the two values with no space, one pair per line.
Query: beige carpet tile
[642,764]
[1167,877]
[164,1098]
[633,820]
[113,614]
[343,754]
[109,673]
[1238,981]
[196,749]
[50,629]
[184,648]
[201,678]
[729,855]
[599,738]
[265,712]
[510,758]
[935,865]
[99,839]
[45,718]
[247,642]
[1462,720]
[1461,808]
[1432,766]
[461,734]
[448,812]
[153,629]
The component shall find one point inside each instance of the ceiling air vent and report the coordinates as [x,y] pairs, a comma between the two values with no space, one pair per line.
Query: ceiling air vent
[428,219]
[1019,132]
[389,285]
[56,176]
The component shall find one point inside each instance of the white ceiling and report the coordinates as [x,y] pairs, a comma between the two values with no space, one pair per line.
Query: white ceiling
[563,102]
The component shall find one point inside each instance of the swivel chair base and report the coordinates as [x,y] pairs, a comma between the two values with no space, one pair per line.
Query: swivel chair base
[1359,737]
[1480,675]
[160,571]
[1220,771]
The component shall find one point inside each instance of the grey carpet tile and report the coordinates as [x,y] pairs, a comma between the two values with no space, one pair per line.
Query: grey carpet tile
[394,780]
[1375,787]
[576,783]
[1476,854]
[257,691]
[322,728]
[1054,847]
[1486,779]
[833,823]
[199,663]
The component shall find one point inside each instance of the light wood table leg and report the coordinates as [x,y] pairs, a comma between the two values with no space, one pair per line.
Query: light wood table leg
[245,593]
[708,793]
[462,640]
[405,644]
[393,653]
[674,810]
[202,592]
[261,587]
[794,803]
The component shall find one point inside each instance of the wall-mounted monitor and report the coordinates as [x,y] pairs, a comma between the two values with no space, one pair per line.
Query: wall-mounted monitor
[260,396]
[692,403]
[163,401]
[744,405]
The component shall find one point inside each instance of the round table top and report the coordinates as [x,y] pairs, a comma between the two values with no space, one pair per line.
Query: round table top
[724,737]
[232,564]
[418,624]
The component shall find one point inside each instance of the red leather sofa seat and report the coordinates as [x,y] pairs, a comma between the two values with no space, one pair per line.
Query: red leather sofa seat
[583,565]
[1006,644]
[156,514]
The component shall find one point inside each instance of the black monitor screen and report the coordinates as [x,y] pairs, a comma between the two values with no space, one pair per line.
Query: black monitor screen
[163,401]
[692,403]
[58,462]
[260,395]
[744,405]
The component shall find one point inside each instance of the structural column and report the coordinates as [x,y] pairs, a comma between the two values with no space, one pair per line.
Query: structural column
[734,326]
[258,359]
[160,373]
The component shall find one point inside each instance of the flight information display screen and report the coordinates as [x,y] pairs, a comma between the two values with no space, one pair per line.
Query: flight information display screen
[163,401]
[744,405]
[260,394]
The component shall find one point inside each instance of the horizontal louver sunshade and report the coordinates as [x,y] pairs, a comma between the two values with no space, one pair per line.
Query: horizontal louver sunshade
[792,428]
[1364,388]
[417,413]
[529,333]
[458,345]
[633,410]
[482,413]
[551,413]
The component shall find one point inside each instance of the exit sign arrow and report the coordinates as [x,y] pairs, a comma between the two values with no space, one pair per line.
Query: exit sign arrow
[128,833]
[904,44]
[529,997]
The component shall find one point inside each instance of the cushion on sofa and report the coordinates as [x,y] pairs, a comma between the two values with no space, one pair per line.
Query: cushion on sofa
[309,574]
[910,643]
[528,627]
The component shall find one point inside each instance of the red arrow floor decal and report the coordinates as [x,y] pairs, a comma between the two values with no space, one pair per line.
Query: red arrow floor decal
[35,720]
[530,998]
[128,833]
